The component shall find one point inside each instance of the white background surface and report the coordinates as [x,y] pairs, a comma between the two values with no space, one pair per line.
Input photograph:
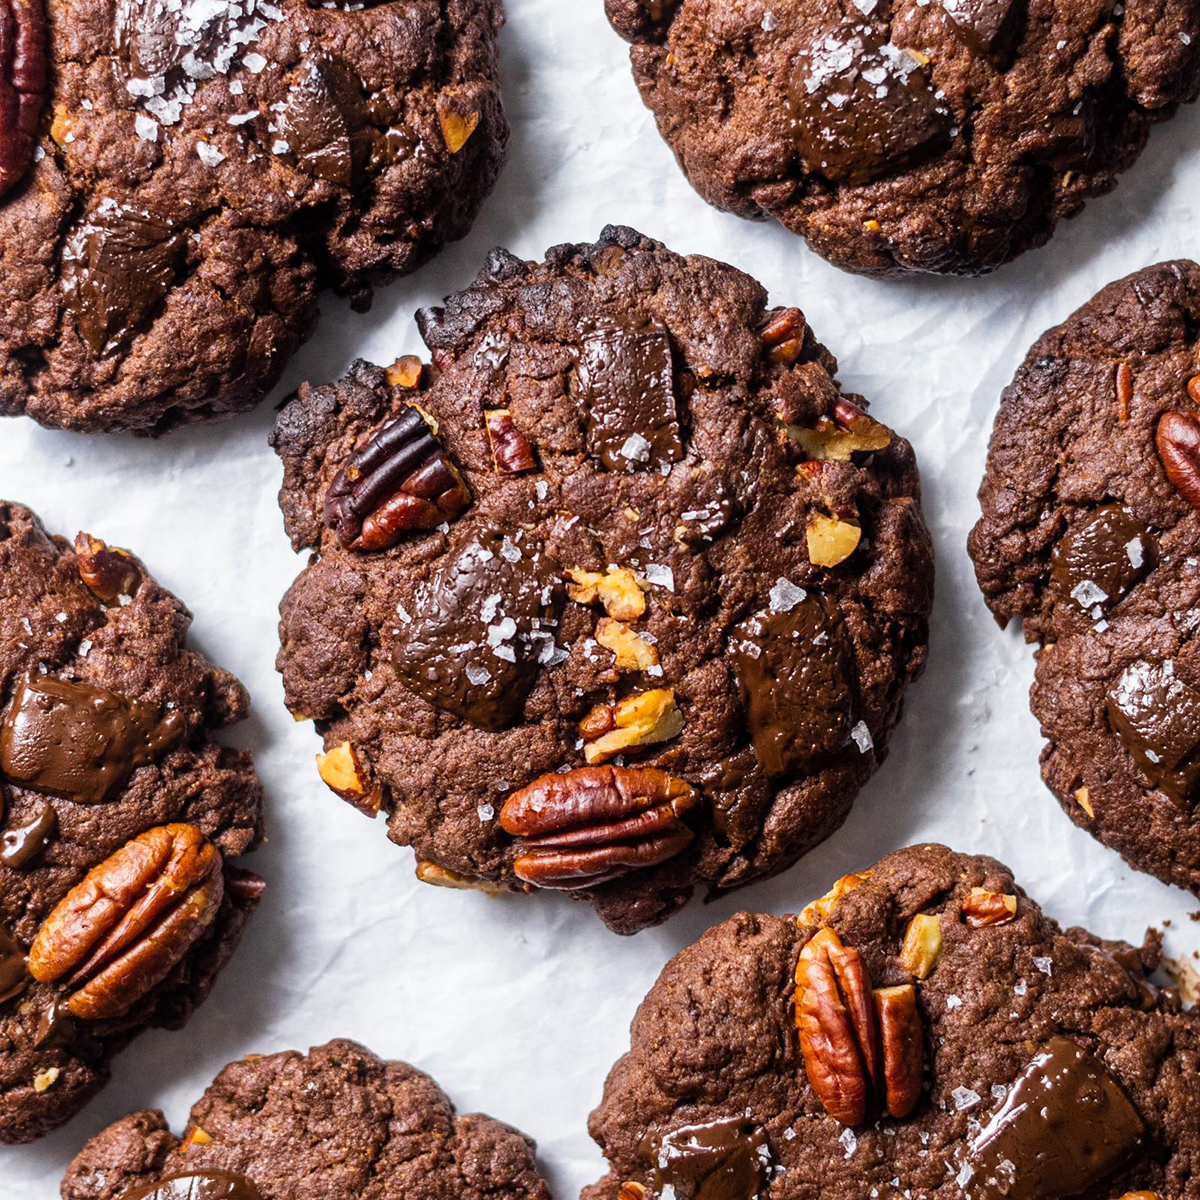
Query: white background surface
[520,1006]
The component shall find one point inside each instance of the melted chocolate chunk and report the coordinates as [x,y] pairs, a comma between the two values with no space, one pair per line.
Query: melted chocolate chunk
[117,265]
[862,107]
[1157,716]
[79,741]
[56,1026]
[720,1160]
[13,973]
[627,378]
[21,845]
[486,627]
[197,1185]
[1065,1126]
[987,26]
[1099,560]
[322,123]
[794,668]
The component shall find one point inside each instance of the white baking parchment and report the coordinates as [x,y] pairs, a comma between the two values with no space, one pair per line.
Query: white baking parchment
[519,1006]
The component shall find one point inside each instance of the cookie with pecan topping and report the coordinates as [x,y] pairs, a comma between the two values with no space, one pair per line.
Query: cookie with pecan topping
[201,170]
[1089,534]
[337,1121]
[923,1029]
[120,818]
[618,597]
[945,136]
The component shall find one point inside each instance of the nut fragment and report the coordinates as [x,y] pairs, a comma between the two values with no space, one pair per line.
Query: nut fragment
[633,652]
[903,1042]
[406,372]
[783,335]
[617,589]
[1178,440]
[589,825]
[1193,388]
[631,1191]
[109,571]
[510,448]
[983,908]
[639,720]
[848,432]
[439,876]
[823,908]
[457,128]
[194,1137]
[22,85]
[340,771]
[922,948]
[119,933]
[1124,391]
[398,482]
[45,1079]
[830,540]
[1083,799]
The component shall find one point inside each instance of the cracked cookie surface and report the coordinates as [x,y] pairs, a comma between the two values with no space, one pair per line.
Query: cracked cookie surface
[910,135]
[665,640]
[1089,537]
[713,1098]
[205,169]
[107,756]
[337,1121]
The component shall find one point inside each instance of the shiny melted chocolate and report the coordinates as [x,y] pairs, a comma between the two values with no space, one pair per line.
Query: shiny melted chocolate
[987,26]
[627,377]
[56,1025]
[1099,560]
[322,122]
[13,973]
[862,107]
[20,845]
[197,1185]
[1064,1126]
[485,628]
[719,1160]
[1157,717]
[79,741]
[794,670]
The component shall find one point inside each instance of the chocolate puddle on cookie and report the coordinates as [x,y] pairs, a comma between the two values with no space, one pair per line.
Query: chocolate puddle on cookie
[197,1185]
[20,845]
[718,1160]
[1101,558]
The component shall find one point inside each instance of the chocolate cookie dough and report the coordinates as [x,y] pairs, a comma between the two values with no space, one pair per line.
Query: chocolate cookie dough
[619,597]
[203,169]
[910,135]
[336,1122]
[1089,535]
[922,1030]
[119,815]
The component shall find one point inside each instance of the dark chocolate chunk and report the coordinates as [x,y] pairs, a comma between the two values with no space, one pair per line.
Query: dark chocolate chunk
[863,107]
[1100,559]
[1157,716]
[718,1160]
[486,626]
[1065,1126]
[987,26]
[197,1185]
[13,973]
[322,124]
[21,845]
[794,669]
[627,377]
[79,741]
[56,1025]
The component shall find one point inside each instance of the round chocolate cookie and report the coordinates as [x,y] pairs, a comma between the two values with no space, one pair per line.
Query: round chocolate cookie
[337,1122]
[118,813]
[621,596]
[922,1030]
[910,135]
[1090,535]
[204,169]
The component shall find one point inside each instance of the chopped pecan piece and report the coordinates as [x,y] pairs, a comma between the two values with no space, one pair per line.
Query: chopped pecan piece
[587,826]
[823,908]
[639,720]
[633,652]
[783,335]
[849,432]
[831,540]
[118,934]
[617,589]
[109,571]
[922,949]
[398,482]
[407,373]
[456,127]
[1124,380]
[632,1191]
[983,908]
[339,769]
[439,876]
[510,448]
[1178,440]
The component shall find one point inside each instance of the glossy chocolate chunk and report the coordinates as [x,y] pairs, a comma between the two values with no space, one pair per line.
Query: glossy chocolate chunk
[987,26]
[720,1160]
[1157,716]
[79,741]
[1098,560]
[321,123]
[118,264]
[485,627]
[13,973]
[56,1025]
[197,1185]
[862,107]
[1065,1126]
[627,377]
[793,665]
[20,845]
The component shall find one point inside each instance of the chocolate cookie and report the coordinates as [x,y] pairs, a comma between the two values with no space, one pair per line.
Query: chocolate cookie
[204,169]
[118,813]
[335,1122]
[620,597]
[923,1030]
[910,135]
[1089,535]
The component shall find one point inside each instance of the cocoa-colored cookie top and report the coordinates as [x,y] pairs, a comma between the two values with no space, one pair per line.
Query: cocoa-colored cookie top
[923,1029]
[202,169]
[1089,535]
[620,597]
[910,135]
[119,813]
[335,1122]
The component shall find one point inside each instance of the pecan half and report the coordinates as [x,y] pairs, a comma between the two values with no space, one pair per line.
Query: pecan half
[903,1043]
[511,450]
[109,571]
[632,651]
[849,431]
[23,72]
[117,934]
[983,908]
[400,481]
[589,825]
[1178,440]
